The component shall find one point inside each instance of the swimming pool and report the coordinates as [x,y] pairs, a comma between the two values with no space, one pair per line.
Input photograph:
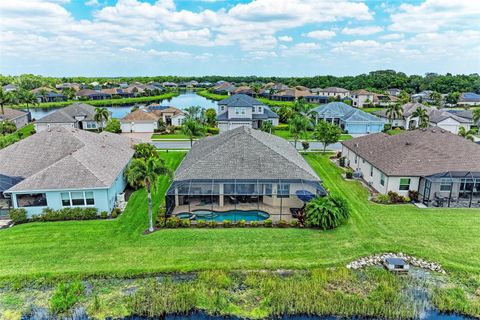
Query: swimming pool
[232,215]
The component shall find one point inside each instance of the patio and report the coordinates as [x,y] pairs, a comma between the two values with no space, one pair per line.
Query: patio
[460,189]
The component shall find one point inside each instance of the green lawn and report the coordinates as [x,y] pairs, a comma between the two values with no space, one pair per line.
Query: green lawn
[372,110]
[287,135]
[168,136]
[449,236]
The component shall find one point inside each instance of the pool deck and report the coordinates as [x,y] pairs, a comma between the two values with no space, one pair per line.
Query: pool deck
[274,212]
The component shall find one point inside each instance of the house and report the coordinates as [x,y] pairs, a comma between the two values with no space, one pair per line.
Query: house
[10,88]
[18,117]
[291,94]
[45,94]
[436,163]
[316,99]
[465,114]
[168,84]
[384,100]
[335,92]
[224,88]
[437,118]
[244,90]
[93,94]
[360,98]
[350,119]
[242,170]
[147,119]
[423,96]
[469,99]
[118,92]
[394,92]
[64,168]
[242,110]
[77,115]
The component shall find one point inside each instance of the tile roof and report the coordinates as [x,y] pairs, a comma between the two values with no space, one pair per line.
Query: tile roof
[331,89]
[10,114]
[68,114]
[362,92]
[417,153]
[66,159]
[244,153]
[150,114]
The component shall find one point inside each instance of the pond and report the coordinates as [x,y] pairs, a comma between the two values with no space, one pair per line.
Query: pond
[184,100]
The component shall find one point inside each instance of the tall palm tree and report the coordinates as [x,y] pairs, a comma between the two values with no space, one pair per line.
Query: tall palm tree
[476,116]
[43,93]
[462,132]
[256,89]
[271,92]
[194,112]
[27,98]
[145,173]
[299,125]
[192,128]
[422,116]
[5,98]
[394,111]
[101,114]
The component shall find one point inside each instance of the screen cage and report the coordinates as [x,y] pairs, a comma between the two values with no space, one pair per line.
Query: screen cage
[240,199]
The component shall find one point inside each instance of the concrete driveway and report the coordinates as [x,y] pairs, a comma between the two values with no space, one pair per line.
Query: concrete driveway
[140,136]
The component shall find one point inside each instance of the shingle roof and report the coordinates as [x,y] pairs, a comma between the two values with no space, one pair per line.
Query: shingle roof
[434,115]
[66,159]
[345,112]
[10,114]
[331,89]
[469,97]
[417,152]
[244,153]
[239,100]
[67,114]
[153,114]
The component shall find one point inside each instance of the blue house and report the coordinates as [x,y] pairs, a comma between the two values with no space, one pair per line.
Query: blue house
[60,168]
[351,120]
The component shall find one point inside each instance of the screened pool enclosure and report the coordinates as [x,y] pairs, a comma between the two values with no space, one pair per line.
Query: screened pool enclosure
[460,189]
[266,198]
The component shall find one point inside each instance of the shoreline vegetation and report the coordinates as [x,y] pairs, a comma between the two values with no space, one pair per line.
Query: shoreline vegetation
[106,102]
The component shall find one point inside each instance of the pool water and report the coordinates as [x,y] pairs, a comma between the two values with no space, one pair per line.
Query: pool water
[232,215]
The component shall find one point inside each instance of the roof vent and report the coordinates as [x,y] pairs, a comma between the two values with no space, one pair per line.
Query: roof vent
[356,145]
[442,131]
[407,143]
[433,130]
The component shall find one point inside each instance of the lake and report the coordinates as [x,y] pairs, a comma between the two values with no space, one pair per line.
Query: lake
[184,100]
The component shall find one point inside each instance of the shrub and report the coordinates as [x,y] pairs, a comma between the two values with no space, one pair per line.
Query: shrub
[212,130]
[241,223]
[186,223]
[65,296]
[104,214]
[282,224]
[18,216]
[173,222]
[294,223]
[212,224]
[65,214]
[282,127]
[386,127]
[268,223]
[341,161]
[407,200]
[381,198]
[327,212]
[395,197]
[160,220]
[305,145]
[227,223]
[254,224]
[413,195]
[349,174]
[115,213]
[201,223]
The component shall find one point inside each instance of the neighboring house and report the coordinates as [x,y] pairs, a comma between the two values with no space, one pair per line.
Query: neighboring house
[10,88]
[360,98]
[168,84]
[437,118]
[118,92]
[224,88]
[434,162]
[316,99]
[350,119]
[424,96]
[394,92]
[469,99]
[292,94]
[146,119]
[78,115]
[65,168]
[384,100]
[18,117]
[242,110]
[465,114]
[242,169]
[49,96]
[332,92]
[93,94]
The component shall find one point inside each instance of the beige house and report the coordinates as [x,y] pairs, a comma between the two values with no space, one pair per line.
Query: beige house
[332,92]
[147,119]
[360,98]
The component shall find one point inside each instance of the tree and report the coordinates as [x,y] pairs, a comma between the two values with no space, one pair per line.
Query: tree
[211,117]
[422,116]
[5,98]
[145,151]
[113,126]
[27,98]
[285,113]
[44,94]
[256,89]
[298,127]
[462,132]
[145,173]
[436,97]
[327,133]
[403,97]
[327,212]
[192,128]
[393,111]
[69,93]
[194,112]
[476,116]
[301,107]
[267,126]
[101,115]
[452,98]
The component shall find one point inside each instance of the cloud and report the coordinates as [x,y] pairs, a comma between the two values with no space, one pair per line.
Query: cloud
[362,31]
[320,34]
[392,36]
[285,38]
[92,3]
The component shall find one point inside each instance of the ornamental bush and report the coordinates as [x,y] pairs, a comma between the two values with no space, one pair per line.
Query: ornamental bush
[327,212]
[268,223]
[241,223]
[173,222]
[227,223]
[282,224]
[49,214]
[201,223]
[18,216]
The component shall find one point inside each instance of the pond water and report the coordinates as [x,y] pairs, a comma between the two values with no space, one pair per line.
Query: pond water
[184,100]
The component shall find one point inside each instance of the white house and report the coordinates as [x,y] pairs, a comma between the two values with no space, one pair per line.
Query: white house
[332,92]
[147,119]
[77,115]
[361,98]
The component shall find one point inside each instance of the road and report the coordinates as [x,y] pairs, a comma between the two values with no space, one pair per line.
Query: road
[186,145]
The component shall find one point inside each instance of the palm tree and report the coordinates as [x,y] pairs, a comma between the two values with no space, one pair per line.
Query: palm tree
[28,98]
[394,111]
[267,126]
[298,126]
[422,116]
[192,128]
[43,93]
[194,112]
[271,92]
[462,132]
[256,89]
[101,114]
[145,173]
[327,212]
[5,98]
[476,116]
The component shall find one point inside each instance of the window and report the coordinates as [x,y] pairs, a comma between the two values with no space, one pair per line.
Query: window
[404,184]
[222,108]
[356,159]
[90,200]
[445,184]
[382,179]
[77,199]
[32,200]
[260,109]
[91,125]
[371,171]
[283,190]
[66,199]
[239,111]
[268,190]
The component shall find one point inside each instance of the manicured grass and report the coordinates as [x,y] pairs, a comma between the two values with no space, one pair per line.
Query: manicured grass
[372,110]
[105,102]
[287,135]
[268,102]
[26,131]
[393,132]
[168,136]
[448,236]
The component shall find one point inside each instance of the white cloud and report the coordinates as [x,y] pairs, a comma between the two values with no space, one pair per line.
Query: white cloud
[362,31]
[285,38]
[393,36]
[92,3]
[320,34]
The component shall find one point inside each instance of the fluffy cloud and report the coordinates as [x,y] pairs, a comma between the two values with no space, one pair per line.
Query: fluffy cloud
[362,31]
[320,34]
[285,38]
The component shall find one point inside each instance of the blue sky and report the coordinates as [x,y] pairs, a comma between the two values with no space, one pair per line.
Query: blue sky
[261,37]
